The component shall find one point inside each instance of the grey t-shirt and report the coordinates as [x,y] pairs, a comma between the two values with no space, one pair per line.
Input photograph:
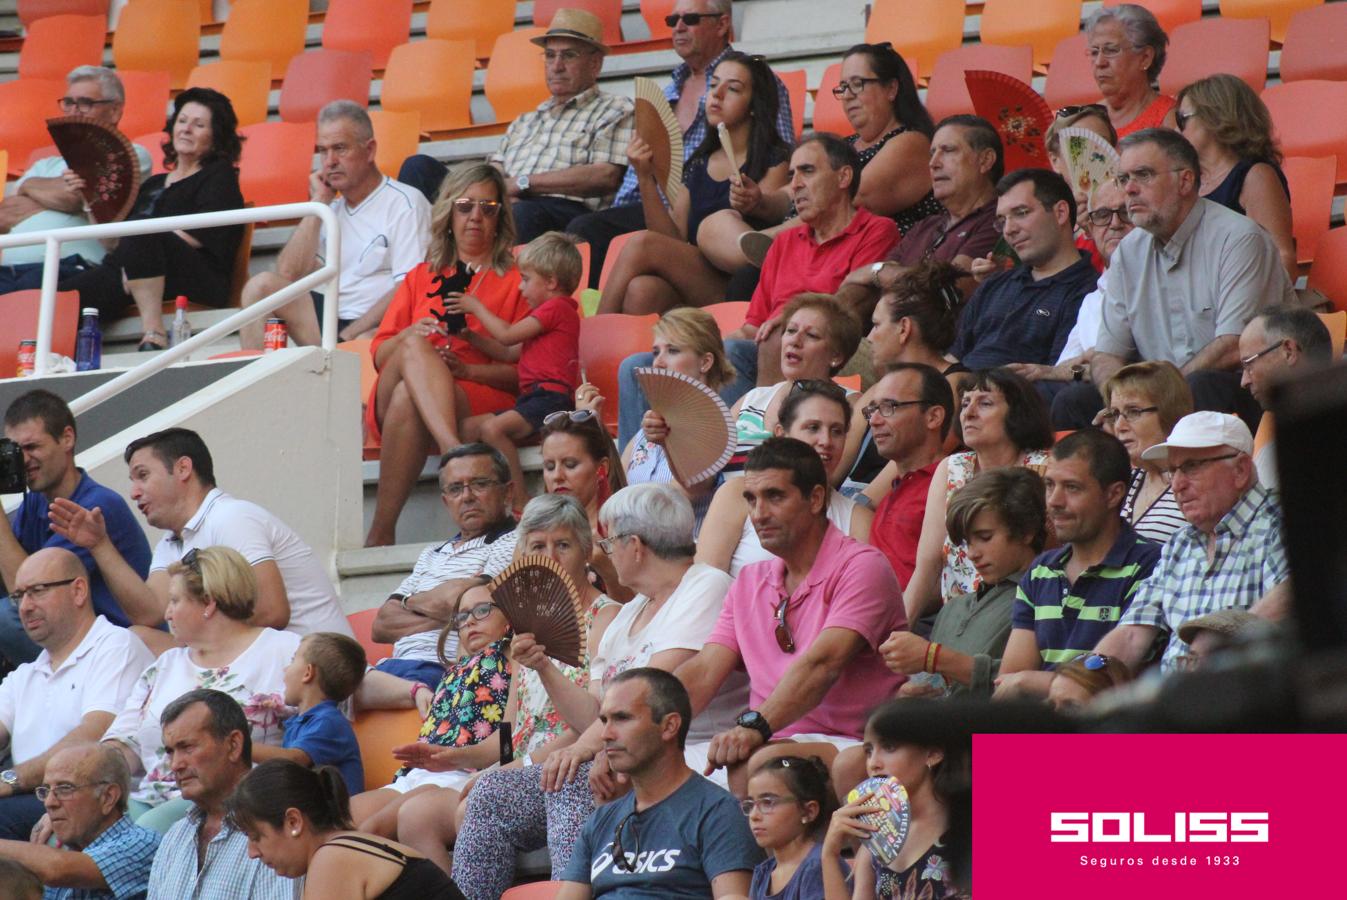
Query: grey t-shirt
[676,846]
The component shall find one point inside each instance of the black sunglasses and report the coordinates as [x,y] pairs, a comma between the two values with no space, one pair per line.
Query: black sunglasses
[689,19]
[1067,112]
[192,560]
[621,859]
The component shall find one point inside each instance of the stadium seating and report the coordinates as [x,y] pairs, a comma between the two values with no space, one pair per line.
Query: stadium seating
[1040,24]
[514,76]
[1336,323]
[1070,79]
[397,136]
[1198,49]
[28,104]
[537,890]
[1328,272]
[947,93]
[154,145]
[828,113]
[362,622]
[378,731]
[318,77]
[653,12]
[606,340]
[1311,180]
[480,21]
[797,90]
[610,259]
[1311,119]
[270,31]
[247,84]
[147,96]
[920,30]
[159,34]
[434,78]
[1170,13]
[369,26]
[19,323]
[277,160]
[32,10]
[1316,44]
[57,44]
[609,13]
[729,315]
[1277,12]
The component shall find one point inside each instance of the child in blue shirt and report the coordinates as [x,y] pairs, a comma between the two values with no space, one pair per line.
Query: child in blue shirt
[326,669]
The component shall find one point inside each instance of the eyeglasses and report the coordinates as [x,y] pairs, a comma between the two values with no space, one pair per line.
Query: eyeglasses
[490,208]
[1130,413]
[575,415]
[784,639]
[1093,661]
[1018,214]
[765,804]
[477,614]
[1182,118]
[1247,362]
[63,791]
[608,544]
[1143,176]
[888,408]
[691,20]
[853,86]
[84,105]
[622,860]
[37,591]
[567,56]
[478,486]
[1102,216]
[192,560]
[1108,51]
[1067,112]
[1192,467]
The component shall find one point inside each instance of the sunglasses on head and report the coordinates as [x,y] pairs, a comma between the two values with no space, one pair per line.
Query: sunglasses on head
[574,415]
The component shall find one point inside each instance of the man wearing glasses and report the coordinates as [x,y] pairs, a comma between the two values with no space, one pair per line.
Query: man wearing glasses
[384,225]
[102,854]
[71,692]
[41,201]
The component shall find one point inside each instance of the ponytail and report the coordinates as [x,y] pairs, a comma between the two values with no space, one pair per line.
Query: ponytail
[278,785]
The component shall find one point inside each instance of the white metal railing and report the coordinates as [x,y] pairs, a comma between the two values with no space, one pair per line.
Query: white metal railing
[325,274]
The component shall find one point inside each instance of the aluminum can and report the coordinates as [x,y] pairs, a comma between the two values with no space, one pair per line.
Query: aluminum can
[27,358]
[275,336]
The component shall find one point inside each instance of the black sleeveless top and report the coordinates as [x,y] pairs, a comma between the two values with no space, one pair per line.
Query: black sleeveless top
[420,878]
[1227,192]
[903,218]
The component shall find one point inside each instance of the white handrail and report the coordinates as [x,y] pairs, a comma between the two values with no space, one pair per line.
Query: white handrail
[327,273]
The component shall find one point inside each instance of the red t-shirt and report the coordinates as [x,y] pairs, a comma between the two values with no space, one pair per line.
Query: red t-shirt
[552,359]
[1153,116]
[797,263]
[896,528]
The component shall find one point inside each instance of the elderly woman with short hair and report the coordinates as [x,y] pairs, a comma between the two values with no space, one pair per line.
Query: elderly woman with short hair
[677,602]
[1127,48]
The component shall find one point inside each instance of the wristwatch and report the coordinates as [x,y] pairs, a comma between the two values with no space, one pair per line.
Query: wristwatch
[754,721]
[10,777]
[874,272]
[1078,372]
[522,182]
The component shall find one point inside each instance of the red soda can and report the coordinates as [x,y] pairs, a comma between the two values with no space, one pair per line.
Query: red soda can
[276,335]
[27,358]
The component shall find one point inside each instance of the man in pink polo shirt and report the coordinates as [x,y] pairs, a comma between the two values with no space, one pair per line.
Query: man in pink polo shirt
[806,627]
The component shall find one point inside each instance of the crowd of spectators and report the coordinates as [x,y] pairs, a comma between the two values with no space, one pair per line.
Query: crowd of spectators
[1048,486]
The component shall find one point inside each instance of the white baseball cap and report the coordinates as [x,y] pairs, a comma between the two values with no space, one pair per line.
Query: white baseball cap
[1203,430]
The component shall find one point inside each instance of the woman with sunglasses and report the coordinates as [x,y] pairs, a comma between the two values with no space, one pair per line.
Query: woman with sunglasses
[1127,47]
[1230,127]
[211,596]
[460,716]
[819,414]
[1078,681]
[677,602]
[673,263]
[430,379]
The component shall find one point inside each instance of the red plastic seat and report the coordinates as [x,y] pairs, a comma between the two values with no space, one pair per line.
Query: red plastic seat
[57,44]
[147,95]
[19,323]
[1277,12]
[610,258]
[27,103]
[653,12]
[479,21]
[316,78]
[154,145]
[434,78]
[947,93]
[515,82]
[270,31]
[277,160]
[32,10]
[1041,24]
[796,89]
[1070,77]
[1328,273]
[609,12]
[1169,13]
[370,26]
[920,30]
[362,623]
[1316,44]
[828,114]
[729,315]
[606,340]
[1310,118]
[1311,180]
[1235,46]
[159,34]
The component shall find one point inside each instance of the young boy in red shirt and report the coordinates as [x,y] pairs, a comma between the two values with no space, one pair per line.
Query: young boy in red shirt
[545,344]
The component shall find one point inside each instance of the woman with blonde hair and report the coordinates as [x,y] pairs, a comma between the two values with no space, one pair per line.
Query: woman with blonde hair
[1231,129]
[429,379]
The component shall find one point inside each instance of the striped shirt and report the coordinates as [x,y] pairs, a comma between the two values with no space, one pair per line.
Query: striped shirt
[227,873]
[123,853]
[1249,561]
[1158,521]
[591,127]
[1069,619]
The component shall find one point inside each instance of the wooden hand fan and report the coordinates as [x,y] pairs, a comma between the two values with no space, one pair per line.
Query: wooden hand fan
[1090,160]
[104,158]
[1019,114]
[701,431]
[658,126]
[728,146]
[539,598]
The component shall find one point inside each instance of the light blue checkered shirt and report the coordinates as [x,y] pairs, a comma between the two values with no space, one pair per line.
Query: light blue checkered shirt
[123,854]
[226,874]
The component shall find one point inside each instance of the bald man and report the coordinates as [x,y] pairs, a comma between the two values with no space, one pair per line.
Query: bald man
[71,692]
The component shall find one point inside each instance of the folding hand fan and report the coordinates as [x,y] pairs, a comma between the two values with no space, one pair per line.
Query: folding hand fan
[701,431]
[1019,114]
[104,158]
[658,126]
[728,146]
[539,598]
[1090,160]
[893,819]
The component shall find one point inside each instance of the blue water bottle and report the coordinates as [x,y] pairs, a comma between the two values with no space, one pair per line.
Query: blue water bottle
[89,342]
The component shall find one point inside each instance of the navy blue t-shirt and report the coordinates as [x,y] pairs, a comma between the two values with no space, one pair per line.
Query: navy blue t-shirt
[676,846]
[33,531]
[805,884]
[325,734]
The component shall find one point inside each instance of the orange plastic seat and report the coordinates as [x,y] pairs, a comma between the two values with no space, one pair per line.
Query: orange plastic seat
[362,622]
[1169,13]
[1328,272]
[147,95]
[828,114]
[270,31]
[28,104]
[796,88]
[159,34]
[372,26]
[1070,77]
[1311,180]
[1336,323]
[19,323]
[1040,24]
[609,12]
[1238,47]
[434,78]
[154,145]
[397,136]
[316,78]
[610,259]
[653,12]
[378,731]
[32,10]
[537,890]
[246,83]
[1310,118]
[4,167]
[729,315]
[1277,12]
[606,340]
[479,21]
[920,30]
[57,44]
[515,82]
[947,93]
[1316,44]
[277,160]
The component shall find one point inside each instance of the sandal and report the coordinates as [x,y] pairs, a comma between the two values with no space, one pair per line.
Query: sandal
[754,245]
[153,340]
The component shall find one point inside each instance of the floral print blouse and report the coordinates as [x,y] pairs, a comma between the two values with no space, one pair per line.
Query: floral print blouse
[958,576]
[469,702]
[926,879]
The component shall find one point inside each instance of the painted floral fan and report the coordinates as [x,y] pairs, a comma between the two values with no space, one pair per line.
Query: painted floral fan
[1090,160]
[1020,115]
[658,126]
[104,158]
[539,598]
[701,431]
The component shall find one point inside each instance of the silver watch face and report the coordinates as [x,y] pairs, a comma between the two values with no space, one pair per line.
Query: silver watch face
[9,777]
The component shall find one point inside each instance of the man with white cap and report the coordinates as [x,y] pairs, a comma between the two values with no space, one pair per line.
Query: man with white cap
[1229,556]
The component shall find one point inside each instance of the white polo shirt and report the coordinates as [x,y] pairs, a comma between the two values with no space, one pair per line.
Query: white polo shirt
[227,521]
[382,239]
[39,706]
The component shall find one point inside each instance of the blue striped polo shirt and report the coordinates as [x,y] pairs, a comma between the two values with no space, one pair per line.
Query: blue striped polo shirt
[1069,619]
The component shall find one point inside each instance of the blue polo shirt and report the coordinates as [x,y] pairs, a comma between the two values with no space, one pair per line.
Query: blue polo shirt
[328,738]
[1069,619]
[1012,318]
[33,531]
